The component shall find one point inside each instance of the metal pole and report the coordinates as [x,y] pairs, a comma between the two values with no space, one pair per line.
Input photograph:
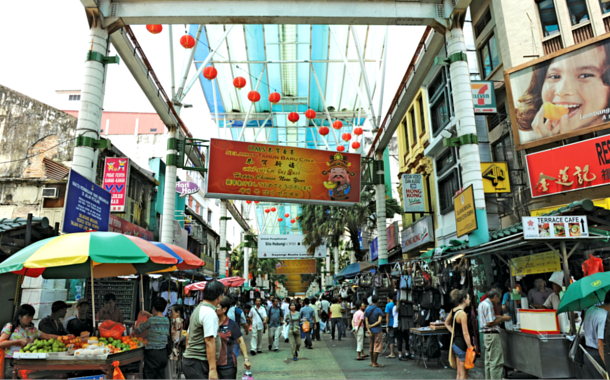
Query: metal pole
[246,265]
[169,195]
[330,122]
[92,294]
[381,219]
[323,138]
[222,256]
[216,107]
[186,66]
[336,258]
[171,59]
[385,60]
[243,127]
[566,280]
[364,75]
[28,230]
[262,127]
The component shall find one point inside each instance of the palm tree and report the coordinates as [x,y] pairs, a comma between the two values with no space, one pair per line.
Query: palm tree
[256,266]
[329,223]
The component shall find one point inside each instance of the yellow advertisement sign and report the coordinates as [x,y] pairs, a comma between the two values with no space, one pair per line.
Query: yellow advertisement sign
[296,266]
[465,213]
[495,177]
[544,262]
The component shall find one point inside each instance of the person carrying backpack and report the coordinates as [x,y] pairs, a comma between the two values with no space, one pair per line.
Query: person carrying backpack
[373,317]
[276,316]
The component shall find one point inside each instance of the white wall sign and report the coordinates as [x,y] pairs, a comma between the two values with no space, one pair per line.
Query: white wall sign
[286,247]
[555,227]
[418,234]
[413,193]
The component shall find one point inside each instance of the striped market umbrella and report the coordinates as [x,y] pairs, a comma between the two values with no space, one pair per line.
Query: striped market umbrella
[229,282]
[186,259]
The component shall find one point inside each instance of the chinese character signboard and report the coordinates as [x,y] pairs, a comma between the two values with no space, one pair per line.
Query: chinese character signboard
[555,227]
[417,234]
[495,177]
[571,167]
[413,193]
[544,262]
[465,214]
[483,97]
[306,266]
[87,206]
[286,247]
[243,170]
[116,174]
[541,112]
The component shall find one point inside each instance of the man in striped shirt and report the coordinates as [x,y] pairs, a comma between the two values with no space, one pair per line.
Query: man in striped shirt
[489,323]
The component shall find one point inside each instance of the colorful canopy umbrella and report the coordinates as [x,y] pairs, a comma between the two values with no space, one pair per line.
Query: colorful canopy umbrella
[186,259]
[106,254]
[586,292]
[231,282]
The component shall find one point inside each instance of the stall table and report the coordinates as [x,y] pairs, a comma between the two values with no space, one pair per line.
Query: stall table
[51,367]
[544,356]
[422,334]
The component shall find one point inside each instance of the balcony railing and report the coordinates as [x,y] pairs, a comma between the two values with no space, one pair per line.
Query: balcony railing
[553,44]
[582,33]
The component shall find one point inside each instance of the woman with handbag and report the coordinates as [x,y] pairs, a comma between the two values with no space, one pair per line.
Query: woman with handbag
[293,320]
[457,323]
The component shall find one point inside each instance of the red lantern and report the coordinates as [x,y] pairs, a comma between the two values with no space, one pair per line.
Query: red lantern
[338,124]
[358,131]
[279,219]
[256,202]
[187,41]
[239,82]
[154,29]
[275,98]
[286,215]
[346,136]
[254,96]
[293,117]
[310,114]
[248,202]
[340,148]
[297,218]
[267,210]
[355,145]
[210,73]
[272,209]
[323,130]
[292,220]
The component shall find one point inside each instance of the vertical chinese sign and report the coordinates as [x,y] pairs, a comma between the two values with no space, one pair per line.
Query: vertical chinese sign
[116,174]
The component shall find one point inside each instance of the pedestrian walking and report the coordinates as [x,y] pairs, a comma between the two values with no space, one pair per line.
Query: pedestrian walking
[389,320]
[155,352]
[344,315]
[316,308]
[335,319]
[372,318]
[229,335]
[308,314]
[238,316]
[276,316]
[594,325]
[402,336]
[201,353]
[325,316]
[462,340]
[258,315]
[293,321]
[358,322]
[286,310]
[176,326]
[489,323]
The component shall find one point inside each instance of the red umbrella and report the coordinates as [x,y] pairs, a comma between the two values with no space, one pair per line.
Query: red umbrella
[189,261]
[231,282]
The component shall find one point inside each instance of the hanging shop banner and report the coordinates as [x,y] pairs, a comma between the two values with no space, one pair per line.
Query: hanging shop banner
[185,188]
[116,175]
[87,205]
[305,266]
[465,213]
[393,236]
[495,177]
[286,247]
[571,167]
[243,170]
[374,247]
[555,227]
[541,113]
[126,228]
[544,262]
[418,234]
[413,193]
[483,96]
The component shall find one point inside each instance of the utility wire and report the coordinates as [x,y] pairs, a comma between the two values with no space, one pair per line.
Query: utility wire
[37,154]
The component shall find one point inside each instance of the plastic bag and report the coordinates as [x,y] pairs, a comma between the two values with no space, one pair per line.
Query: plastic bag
[306,326]
[110,329]
[141,319]
[322,326]
[285,331]
[117,374]
[470,358]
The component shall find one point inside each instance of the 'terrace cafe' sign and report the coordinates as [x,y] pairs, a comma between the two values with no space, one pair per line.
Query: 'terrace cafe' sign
[186,188]
[555,227]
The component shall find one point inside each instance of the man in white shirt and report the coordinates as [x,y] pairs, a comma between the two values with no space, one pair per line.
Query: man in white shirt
[553,301]
[258,316]
[325,307]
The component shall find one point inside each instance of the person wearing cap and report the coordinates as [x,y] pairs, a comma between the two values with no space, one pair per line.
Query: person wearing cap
[52,324]
[80,322]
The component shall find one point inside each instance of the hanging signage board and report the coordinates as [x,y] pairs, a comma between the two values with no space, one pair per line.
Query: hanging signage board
[418,234]
[286,247]
[572,167]
[555,227]
[126,228]
[544,262]
[483,97]
[465,213]
[305,266]
[413,193]
[393,237]
[375,249]
[243,170]
[87,206]
[495,177]
[185,188]
[116,176]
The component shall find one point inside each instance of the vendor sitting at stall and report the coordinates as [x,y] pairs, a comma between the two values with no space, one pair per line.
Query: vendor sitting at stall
[553,301]
[538,296]
[110,311]
[52,324]
[80,322]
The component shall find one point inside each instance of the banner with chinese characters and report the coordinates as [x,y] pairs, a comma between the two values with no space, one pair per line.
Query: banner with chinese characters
[116,175]
[571,167]
[555,227]
[243,170]
[545,262]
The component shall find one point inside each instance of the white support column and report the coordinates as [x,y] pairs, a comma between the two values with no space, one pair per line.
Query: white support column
[91,104]
[222,256]
[328,261]
[246,265]
[352,257]
[381,219]
[470,159]
[169,195]
[336,258]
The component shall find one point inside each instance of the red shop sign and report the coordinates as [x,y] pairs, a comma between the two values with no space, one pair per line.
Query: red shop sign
[571,167]
[126,228]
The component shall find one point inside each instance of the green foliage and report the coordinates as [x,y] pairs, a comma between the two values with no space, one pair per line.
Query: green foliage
[266,266]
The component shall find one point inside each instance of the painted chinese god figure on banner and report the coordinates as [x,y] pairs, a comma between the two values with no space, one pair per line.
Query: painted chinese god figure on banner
[338,183]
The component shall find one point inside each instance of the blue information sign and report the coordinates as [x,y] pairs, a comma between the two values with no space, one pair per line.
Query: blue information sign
[375,249]
[87,206]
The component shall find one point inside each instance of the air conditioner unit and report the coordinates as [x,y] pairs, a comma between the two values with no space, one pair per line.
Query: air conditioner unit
[50,192]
